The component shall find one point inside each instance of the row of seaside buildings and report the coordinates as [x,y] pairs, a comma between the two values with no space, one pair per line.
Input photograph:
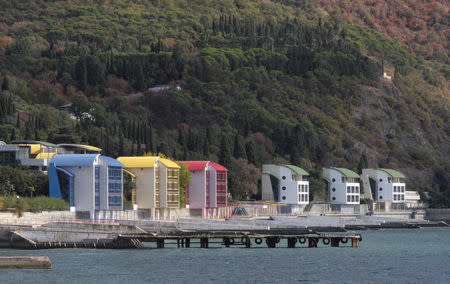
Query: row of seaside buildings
[92,183]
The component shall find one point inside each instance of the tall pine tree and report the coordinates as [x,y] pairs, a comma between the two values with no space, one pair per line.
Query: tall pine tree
[225,153]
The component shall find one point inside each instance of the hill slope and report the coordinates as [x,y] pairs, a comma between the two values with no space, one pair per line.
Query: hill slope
[263,81]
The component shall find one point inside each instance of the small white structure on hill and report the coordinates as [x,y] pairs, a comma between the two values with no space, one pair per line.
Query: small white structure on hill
[343,185]
[285,183]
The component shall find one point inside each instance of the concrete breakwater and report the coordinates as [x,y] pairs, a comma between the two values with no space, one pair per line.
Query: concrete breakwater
[107,235]
[27,262]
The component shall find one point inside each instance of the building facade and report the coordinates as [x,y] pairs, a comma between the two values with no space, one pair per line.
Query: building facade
[156,179]
[285,183]
[385,185]
[343,186]
[88,182]
[208,188]
[27,153]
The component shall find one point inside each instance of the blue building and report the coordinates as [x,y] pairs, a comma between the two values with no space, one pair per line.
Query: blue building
[89,182]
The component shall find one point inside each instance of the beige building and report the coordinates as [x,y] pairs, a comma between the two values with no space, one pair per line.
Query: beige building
[157,181]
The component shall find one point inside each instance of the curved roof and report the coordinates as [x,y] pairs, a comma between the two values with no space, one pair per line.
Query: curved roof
[168,163]
[195,165]
[81,146]
[47,144]
[297,170]
[218,167]
[74,160]
[346,172]
[138,162]
[111,162]
[393,173]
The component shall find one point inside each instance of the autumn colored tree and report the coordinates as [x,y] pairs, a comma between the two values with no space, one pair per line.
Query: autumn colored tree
[244,178]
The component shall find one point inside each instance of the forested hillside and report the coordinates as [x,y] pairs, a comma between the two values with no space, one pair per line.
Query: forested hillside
[252,82]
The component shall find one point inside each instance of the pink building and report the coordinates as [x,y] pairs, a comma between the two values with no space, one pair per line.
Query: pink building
[208,189]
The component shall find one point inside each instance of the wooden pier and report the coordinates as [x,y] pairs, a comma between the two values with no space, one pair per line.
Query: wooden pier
[228,239]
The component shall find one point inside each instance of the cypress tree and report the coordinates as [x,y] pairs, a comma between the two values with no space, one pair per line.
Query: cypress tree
[295,157]
[150,140]
[205,147]
[82,73]
[251,153]
[121,144]
[363,163]
[5,84]
[225,153]
[13,134]
[239,148]
[140,80]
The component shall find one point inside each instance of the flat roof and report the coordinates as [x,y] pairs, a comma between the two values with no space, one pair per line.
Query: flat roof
[392,173]
[138,162]
[297,170]
[346,172]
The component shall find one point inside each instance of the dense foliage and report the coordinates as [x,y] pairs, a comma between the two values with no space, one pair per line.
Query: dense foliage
[256,81]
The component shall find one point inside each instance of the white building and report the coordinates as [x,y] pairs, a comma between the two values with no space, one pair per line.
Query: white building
[88,182]
[343,185]
[385,185]
[285,183]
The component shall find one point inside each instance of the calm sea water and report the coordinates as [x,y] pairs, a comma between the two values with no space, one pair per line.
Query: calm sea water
[385,256]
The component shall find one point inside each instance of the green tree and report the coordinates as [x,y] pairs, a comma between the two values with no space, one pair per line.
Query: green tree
[239,148]
[362,164]
[252,156]
[244,179]
[82,73]
[225,153]
[185,179]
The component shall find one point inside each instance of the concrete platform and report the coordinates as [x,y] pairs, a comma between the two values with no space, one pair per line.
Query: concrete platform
[25,262]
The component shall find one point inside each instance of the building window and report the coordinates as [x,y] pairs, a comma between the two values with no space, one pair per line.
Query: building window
[221,176]
[284,188]
[381,189]
[381,180]
[334,198]
[381,197]
[283,177]
[284,197]
[333,180]
[115,201]
[97,186]
[357,198]
[348,198]
[403,197]
[334,189]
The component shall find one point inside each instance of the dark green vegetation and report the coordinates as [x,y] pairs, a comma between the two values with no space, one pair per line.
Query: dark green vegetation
[35,204]
[260,81]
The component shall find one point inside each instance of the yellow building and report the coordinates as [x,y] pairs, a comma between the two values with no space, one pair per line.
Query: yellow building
[157,181]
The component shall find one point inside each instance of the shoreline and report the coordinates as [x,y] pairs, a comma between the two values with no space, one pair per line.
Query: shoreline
[106,234]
